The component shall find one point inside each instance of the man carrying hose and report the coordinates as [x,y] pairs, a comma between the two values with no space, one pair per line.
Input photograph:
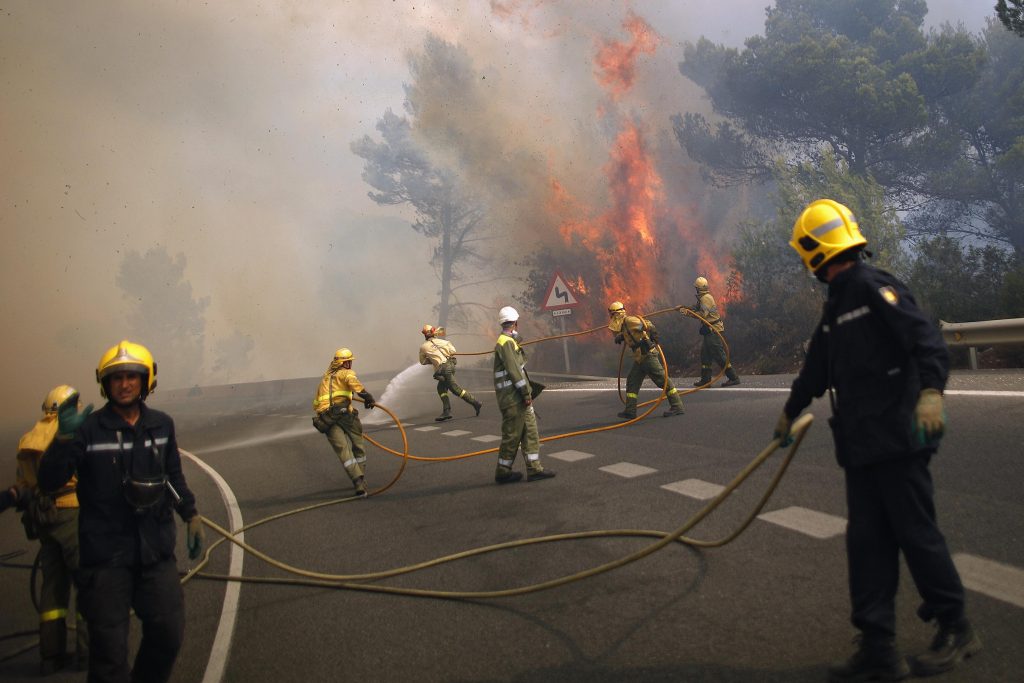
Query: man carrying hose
[642,338]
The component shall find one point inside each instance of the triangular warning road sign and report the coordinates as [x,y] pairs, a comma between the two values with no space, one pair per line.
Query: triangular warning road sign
[559,295]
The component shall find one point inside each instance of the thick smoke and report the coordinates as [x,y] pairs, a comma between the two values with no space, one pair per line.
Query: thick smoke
[216,136]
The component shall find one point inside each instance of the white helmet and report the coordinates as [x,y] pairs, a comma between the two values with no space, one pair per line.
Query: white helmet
[507,315]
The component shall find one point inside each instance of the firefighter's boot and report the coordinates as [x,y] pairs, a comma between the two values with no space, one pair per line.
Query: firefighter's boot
[360,486]
[876,659]
[705,377]
[952,644]
[446,414]
[505,475]
[468,398]
[733,378]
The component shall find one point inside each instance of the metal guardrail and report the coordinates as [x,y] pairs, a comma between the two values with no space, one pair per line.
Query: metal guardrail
[982,333]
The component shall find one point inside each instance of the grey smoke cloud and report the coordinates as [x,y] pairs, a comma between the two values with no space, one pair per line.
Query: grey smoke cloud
[221,132]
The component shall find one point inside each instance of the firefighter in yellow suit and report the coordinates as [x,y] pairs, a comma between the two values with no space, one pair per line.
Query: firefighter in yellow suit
[712,350]
[339,420]
[515,399]
[53,519]
[642,338]
[440,353]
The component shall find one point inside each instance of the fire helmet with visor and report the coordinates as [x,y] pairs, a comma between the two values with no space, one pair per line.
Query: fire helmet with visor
[824,230]
[343,354]
[56,397]
[127,356]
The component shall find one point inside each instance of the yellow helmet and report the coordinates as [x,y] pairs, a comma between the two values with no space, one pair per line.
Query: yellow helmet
[127,356]
[824,230]
[343,355]
[616,306]
[56,397]
[701,284]
[428,330]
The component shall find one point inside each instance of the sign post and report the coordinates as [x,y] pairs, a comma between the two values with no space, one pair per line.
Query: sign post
[560,301]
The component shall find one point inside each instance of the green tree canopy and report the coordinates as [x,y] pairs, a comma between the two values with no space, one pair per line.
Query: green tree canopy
[1011,13]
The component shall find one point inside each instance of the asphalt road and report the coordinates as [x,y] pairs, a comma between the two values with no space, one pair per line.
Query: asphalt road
[770,606]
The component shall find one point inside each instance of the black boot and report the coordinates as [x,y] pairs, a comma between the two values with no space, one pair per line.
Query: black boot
[876,659]
[446,413]
[952,644]
[733,378]
[704,379]
[477,405]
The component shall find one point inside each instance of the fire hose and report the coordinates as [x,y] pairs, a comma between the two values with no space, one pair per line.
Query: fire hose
[358,581]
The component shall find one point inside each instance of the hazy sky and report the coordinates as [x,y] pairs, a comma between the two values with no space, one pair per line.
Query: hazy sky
[221,131]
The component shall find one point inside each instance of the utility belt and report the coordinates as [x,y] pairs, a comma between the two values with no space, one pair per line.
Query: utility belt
[442,367]
[41,511]
[325,419]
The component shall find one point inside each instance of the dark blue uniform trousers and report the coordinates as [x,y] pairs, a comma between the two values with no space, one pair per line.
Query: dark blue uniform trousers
[106,594]
[891,509]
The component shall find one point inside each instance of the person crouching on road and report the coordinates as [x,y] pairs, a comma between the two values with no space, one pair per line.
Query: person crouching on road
[440,353]
[712,350]
[515,399]
[53,519]
[129,482]
[339,420]
[642,338]
[884,365]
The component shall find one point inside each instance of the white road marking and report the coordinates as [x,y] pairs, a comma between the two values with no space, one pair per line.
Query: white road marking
[221,647]
[487,438]
[427,429]
[785,390]
[994,579]
[628,470]
[809,522]
[457,432]
[695,488]
[569,456]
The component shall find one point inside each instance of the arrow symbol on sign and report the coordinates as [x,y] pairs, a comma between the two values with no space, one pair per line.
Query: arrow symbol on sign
[561,294]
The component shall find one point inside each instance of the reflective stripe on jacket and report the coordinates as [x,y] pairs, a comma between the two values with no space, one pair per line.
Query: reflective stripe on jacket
[511,385]
[336,388]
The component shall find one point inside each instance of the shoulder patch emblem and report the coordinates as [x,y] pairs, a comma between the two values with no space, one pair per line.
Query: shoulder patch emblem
[889,294]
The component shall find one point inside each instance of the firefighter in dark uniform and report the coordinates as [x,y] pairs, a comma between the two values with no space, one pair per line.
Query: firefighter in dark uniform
[640,335]
[884,365]
[129,483]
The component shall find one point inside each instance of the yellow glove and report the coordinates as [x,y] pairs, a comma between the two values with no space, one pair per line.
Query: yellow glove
[929,417]
[782,431]
[194,537]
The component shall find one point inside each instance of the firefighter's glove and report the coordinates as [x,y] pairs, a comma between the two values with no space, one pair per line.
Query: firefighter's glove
[619,338]
[782,431]
[69,418]
[194,536]
[929,418]
[367,400]
[645,346]
[8,498]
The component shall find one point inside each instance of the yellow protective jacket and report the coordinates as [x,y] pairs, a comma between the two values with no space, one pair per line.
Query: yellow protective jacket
[511,384]
[336,388]
[635,330]
[708,310]
[31,447]
[436,352]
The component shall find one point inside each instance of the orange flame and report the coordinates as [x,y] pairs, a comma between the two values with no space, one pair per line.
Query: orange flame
[615,67]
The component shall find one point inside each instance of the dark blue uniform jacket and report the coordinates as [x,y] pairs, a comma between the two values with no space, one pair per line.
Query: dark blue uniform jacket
[878,350]
[110,531]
